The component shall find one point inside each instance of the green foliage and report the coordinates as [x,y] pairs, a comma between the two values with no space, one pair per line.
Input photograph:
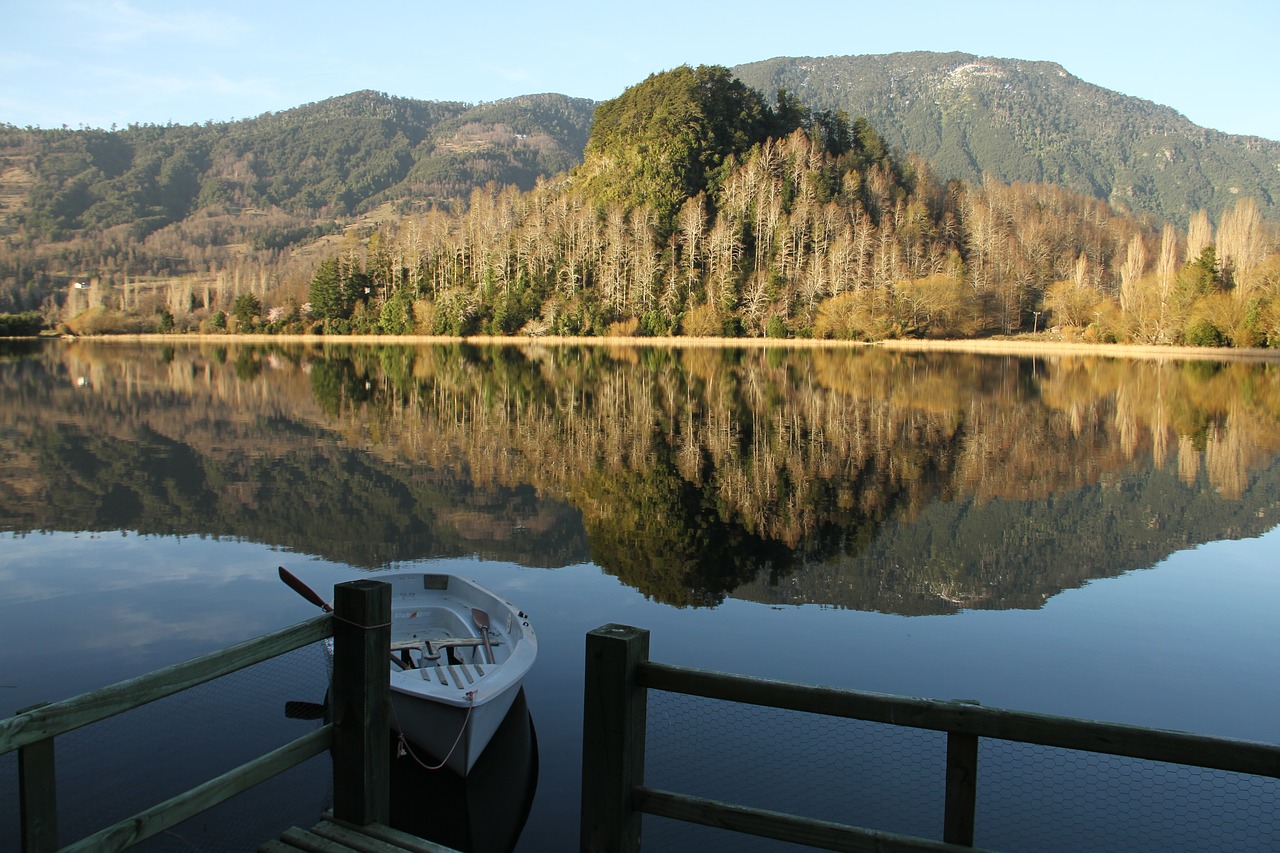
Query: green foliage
[1203,333]
[666,139]
[20,325]
[396,315]
[1020,121]
[337,287]
[336,157]
[655,324]
[1201,277]
[247,309]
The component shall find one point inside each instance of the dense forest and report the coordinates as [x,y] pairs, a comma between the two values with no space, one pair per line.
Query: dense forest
[702,207]
[1034,122]
[225,203]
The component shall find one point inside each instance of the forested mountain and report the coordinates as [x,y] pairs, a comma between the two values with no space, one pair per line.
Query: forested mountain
[691,216]
[701,207]
[151,200]
[1021,121]
[331,158]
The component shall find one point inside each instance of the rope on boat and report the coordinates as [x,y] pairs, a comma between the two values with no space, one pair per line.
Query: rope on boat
[403,748]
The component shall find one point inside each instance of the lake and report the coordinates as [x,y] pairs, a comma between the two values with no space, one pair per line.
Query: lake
[1075,535]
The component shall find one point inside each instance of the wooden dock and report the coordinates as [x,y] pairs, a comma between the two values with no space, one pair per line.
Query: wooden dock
[615,797]
[618,675]
[358,739]
[335,836]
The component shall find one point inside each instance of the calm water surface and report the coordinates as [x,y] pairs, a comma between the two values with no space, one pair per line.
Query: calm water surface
[1088,537]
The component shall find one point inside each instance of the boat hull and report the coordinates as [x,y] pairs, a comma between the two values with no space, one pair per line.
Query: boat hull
[455,690]
[460,734]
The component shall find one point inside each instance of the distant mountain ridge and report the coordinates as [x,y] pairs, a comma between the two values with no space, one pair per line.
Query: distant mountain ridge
[260,198]
[968,116]
[336,157]
[1021,121]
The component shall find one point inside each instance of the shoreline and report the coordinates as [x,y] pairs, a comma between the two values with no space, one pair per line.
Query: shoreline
[999,346]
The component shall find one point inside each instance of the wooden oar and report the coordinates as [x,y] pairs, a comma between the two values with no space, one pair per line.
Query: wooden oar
[482,622]
[310,595]
[303,590]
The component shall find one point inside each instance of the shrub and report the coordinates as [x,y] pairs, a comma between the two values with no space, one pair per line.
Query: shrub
[702,321]
[1202,333]
[20,325]
[628,328]
[100,321]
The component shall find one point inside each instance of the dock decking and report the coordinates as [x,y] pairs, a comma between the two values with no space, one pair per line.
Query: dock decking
[334,836]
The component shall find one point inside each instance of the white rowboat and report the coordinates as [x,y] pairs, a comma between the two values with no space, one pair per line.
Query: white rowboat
[455,688]
[460,654]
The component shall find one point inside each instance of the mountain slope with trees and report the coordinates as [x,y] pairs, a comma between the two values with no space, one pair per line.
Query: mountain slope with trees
[689,217]
[330,158]
[1021,121]
[701,208]
[160,201]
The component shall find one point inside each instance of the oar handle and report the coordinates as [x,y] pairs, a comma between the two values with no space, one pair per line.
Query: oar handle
[303,590]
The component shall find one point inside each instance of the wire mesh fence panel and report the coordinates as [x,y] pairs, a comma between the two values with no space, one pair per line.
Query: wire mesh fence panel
[295,797]
[9,830]
[892,779]
[847,771]
[663,834]
[115,768]
[1044,799]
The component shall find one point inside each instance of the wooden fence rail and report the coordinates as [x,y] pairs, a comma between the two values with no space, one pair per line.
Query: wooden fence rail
[358,735]
[619,674]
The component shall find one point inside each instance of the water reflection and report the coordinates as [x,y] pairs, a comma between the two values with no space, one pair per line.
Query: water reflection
[902,482]
[483,812]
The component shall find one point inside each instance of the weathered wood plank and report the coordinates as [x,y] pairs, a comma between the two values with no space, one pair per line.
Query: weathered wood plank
[361,702]
[60,717]
[403,840]
[38,797]
[613,737]
[1260,759]
[274,846]
[173,811]
[356,839]
[783,827]
[311,843]
[962,789]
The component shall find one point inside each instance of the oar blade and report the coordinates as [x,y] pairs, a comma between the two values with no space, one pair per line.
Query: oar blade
[303,590]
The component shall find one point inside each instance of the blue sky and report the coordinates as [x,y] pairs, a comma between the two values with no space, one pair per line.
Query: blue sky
[77,62]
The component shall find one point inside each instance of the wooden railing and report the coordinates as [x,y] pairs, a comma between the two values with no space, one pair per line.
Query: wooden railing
[358,735]
[614,796]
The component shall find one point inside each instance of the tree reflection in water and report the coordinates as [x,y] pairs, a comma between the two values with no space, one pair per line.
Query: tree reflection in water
[904,482]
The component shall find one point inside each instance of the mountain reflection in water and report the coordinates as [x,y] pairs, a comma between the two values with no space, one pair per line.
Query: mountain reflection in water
[861,478]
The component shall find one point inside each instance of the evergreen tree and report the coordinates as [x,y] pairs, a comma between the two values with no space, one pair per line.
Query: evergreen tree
[669,138]
[326,292]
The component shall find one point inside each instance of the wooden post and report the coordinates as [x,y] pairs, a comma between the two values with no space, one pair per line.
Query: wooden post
[962,788]
[38,795]
[361,702]
[613,734]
